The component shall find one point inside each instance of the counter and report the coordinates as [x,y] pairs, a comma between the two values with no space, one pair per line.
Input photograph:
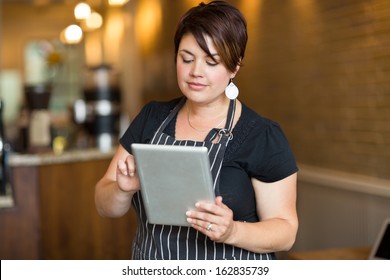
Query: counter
[54,216]
[16,160]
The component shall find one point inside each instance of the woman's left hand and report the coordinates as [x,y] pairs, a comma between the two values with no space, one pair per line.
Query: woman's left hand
[213,220]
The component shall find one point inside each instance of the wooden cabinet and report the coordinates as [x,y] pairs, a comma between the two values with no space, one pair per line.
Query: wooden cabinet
[20,224]
[55,216]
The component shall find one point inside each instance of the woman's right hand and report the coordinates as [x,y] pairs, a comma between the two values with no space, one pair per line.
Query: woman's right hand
[126,175]
[114,191]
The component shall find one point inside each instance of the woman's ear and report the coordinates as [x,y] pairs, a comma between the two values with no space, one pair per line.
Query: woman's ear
[235,72]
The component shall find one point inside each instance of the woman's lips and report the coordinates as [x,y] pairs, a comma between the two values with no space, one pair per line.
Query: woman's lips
[196,86]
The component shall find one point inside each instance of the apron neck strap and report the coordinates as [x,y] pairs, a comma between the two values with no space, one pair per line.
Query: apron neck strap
[225,133]
[171,115]
[230,115]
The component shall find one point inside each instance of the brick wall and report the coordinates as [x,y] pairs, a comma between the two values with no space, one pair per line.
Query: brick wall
[322,70]
[318,67]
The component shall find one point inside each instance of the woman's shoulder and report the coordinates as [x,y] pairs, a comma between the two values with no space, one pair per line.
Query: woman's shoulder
[261,143]
[158,109]
[144,125]
[251,120]
[254,131]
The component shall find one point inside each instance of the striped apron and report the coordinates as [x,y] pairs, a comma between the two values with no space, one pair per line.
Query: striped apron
[162,242]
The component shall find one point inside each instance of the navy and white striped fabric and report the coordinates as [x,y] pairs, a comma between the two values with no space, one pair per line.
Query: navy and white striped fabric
[162,242]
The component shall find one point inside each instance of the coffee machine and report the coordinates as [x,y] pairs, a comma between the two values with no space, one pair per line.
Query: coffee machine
[99,110]
[38,134]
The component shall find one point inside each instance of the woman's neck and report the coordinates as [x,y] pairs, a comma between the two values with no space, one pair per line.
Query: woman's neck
[196,125]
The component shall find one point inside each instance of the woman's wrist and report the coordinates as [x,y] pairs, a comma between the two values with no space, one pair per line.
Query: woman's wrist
[122,195]
[233,234]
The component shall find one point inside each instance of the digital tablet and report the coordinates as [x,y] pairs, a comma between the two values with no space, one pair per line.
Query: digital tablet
[381,248]
[173,179]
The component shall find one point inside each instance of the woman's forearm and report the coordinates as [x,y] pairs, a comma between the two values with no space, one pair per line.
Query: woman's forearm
[110,200]
[272,235]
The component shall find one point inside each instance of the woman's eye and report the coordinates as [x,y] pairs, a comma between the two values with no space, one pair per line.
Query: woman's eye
[187,60]
[212,63]
[208,62]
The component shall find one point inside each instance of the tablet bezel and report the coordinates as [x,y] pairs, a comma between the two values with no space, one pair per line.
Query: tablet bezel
[166,199]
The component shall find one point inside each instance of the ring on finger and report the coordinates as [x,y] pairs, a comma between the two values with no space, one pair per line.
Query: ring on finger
[209,226]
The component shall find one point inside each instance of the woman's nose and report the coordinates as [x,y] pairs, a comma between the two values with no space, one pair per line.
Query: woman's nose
[197,69]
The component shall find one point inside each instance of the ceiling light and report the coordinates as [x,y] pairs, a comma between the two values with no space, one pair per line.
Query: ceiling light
[82,11]
[94,21]
[72,34]
[117,2]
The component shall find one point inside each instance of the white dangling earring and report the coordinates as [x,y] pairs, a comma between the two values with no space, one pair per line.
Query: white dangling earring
[231,90]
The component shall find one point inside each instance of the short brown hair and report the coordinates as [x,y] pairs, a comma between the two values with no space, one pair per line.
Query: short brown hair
[225,25]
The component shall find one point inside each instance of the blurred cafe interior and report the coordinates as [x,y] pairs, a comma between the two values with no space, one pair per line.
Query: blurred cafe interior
[73,74]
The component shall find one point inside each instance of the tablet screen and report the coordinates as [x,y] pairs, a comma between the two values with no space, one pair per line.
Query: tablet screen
[173,179]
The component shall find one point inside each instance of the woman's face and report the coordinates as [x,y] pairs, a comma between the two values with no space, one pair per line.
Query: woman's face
[200,77]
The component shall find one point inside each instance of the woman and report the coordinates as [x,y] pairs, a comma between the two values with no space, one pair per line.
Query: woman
[254,213]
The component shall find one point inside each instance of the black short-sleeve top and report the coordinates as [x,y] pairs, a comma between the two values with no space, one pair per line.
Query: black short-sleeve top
[259,149]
